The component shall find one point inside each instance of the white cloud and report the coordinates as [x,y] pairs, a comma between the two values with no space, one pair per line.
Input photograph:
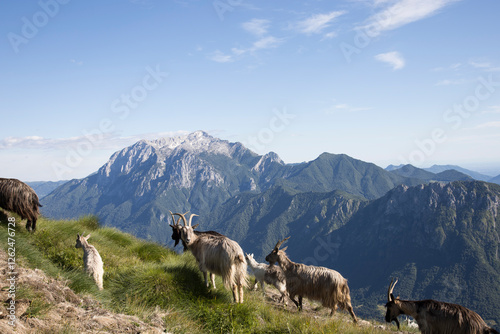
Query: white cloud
[256,27]
[343,107]
[98,140]
[394,59]
[266,43]
[489,125]
[492,110]
[330,35]
[448,82]
[401,13]
[317,23]
[221,57]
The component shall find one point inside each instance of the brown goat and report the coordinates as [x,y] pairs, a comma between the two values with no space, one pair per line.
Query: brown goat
[18,197]
[317,283]
[434,317]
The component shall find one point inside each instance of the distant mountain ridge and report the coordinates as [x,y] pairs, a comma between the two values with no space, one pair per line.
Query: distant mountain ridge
[437,169]
[447,175]
[43,188]
[138,185]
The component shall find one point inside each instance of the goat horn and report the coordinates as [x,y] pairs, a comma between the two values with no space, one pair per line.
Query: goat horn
[278,245]
[173,219]
[390,297]
[191,218]
[183,218]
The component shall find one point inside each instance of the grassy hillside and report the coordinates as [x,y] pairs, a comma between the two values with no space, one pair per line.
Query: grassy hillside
[141,277]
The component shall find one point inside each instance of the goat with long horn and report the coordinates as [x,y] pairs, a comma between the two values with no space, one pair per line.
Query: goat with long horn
[217,254]
[434,317]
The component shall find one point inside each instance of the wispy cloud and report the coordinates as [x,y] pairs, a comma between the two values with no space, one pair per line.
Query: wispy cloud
[37,142]
[492,110]
[256,27]
[343,107]
[317,23]
[100,141]
[402,12]
[452,67]
[484,66]
[488,125]
[394,59]
[221,57]
[450,82]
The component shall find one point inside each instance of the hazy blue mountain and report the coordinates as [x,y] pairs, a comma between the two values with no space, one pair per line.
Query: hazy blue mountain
[452,175]
[413,172]
[393,167]
[425,176]
[441,168]
[495,179]
[43,188]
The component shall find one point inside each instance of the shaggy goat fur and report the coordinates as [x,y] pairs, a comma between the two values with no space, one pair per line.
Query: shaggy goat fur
[218,255]
[176,236]
[18,197]
[317,283]
[92,261]
[265,273]
[436,317]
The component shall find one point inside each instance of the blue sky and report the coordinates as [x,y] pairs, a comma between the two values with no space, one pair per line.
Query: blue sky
[384,81]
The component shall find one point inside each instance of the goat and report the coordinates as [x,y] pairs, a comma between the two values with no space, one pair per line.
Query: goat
[434,317]
[176,236]
[92,261]
[316,283]
[176,232]
[18,197]
[218,255]
[265,273]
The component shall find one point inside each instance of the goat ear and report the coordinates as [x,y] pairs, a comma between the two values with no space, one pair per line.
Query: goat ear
[195,226]
[87,237]
[284,249]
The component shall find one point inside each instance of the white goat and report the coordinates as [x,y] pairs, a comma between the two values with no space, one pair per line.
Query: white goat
[265,273]
[219,255]
[92,261]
